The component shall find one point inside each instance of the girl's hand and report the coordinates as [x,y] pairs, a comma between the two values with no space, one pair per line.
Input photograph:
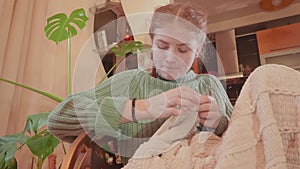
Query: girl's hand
[173,102]
[209,112]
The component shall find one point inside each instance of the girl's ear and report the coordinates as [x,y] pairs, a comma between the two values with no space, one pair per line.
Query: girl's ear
[195,65]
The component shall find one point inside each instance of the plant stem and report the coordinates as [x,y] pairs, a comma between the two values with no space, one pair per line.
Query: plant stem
[51,96]
[111,69]
[40,163]
[69,64]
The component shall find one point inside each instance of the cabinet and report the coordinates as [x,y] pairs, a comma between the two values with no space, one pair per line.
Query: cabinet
[279,38]
[280,45]
[288,57]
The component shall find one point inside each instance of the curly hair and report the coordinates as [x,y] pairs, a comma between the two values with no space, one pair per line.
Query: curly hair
[173,12]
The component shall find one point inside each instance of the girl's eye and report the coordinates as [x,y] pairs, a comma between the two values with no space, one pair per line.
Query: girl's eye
[183,49]
[162,45]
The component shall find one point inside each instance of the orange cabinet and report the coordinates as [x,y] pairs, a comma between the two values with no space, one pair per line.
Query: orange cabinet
[279,38]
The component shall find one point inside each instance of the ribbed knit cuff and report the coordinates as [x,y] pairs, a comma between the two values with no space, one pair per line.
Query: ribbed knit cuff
[107,120]
[222,126]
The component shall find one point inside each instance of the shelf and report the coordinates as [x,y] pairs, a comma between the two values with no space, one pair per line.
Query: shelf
[231,76]
[288,57]
[281,52]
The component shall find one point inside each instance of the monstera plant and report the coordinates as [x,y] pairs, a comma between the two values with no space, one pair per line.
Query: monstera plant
[59,28]
[35,135]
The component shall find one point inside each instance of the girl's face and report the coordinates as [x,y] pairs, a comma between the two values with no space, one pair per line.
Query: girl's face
[174,51]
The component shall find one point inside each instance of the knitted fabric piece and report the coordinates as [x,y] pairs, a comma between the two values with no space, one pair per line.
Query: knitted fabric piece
[198,153]
[264,131]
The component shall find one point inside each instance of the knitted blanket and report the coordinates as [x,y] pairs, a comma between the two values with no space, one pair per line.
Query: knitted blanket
[264,131]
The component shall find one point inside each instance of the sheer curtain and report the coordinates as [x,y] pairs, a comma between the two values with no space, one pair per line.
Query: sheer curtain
[26,56]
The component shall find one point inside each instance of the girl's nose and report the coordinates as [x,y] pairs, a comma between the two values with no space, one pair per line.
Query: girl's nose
[171,56]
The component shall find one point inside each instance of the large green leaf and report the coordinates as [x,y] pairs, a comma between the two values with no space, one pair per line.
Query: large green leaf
[59,27]
[8,147]
[51,96]
[35,122]
[42,145]
[128,47]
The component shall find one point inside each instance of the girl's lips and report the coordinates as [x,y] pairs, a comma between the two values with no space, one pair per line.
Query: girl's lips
[168,67]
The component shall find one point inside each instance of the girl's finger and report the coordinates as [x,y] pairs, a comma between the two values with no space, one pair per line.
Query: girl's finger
[175,102]
[206,99]
[203,115]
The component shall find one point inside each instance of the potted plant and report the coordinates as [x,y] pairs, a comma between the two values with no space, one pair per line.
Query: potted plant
[35,135]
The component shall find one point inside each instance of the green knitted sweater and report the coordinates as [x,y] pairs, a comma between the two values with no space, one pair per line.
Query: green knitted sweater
[99,109]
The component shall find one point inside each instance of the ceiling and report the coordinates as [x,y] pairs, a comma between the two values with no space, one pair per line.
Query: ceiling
[244,16]
[250,29]
[228,14]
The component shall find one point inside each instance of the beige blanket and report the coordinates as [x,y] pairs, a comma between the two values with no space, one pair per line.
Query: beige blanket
[264,131]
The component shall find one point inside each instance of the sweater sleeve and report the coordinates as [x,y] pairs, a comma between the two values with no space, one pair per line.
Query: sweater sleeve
[219,93]
[98,109]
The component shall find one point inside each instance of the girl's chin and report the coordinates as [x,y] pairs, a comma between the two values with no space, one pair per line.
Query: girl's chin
[169,76]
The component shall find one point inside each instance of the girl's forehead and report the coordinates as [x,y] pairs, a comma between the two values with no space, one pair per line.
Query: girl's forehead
[177,35]
[173,40]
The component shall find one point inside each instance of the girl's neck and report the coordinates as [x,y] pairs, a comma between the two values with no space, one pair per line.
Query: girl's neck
[187,76]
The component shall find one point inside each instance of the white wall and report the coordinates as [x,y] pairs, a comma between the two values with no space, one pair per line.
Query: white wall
[139,15]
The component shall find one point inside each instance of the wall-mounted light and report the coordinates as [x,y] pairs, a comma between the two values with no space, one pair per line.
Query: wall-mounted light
[273,5]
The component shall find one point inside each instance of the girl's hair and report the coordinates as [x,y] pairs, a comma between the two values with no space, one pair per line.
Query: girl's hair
[172,12]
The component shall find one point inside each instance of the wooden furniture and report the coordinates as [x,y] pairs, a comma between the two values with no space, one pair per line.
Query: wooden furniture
[289,57]
[280,45]
[86,154]
[278,39]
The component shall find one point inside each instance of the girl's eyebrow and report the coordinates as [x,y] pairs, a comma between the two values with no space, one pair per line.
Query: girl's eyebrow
[162,41]
[180,44]
[185,45]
